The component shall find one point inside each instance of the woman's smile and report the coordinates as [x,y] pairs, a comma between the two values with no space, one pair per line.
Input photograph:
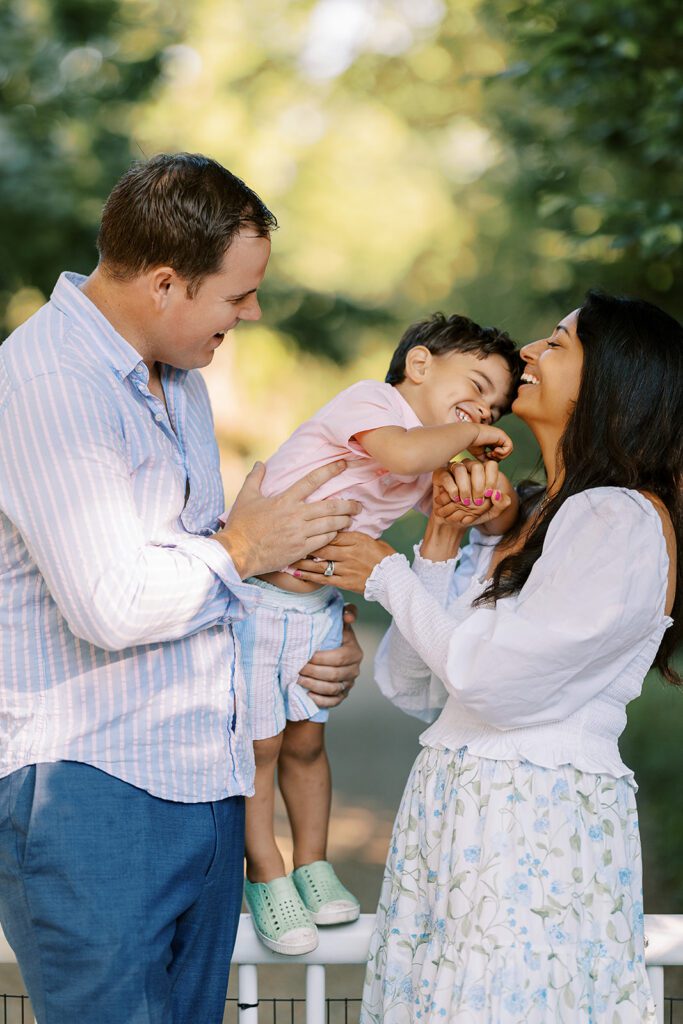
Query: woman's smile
[529,378]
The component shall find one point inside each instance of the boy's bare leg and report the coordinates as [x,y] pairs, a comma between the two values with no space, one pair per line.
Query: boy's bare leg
[306,787]
[264,860]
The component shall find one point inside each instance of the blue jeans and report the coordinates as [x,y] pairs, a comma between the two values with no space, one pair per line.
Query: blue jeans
[121,908]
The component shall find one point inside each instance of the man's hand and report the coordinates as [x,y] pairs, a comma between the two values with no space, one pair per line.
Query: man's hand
[264,534]
[330,675]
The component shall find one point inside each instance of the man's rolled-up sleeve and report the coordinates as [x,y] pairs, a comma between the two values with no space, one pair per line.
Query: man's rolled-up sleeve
[65,485]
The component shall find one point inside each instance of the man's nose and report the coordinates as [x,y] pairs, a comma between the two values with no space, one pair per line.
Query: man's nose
[251,309]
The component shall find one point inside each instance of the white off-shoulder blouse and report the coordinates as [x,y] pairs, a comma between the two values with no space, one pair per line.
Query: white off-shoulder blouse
[545,675]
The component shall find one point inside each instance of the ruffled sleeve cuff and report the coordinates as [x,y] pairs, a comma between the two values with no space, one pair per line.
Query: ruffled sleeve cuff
[435,577]
[378,581]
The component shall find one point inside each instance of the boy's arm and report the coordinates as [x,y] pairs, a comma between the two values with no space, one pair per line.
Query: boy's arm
[424,449]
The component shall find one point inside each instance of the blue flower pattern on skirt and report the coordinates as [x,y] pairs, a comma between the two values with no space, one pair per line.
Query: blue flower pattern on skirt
[512,895]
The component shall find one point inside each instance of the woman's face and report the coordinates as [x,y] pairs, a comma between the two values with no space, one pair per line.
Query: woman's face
[551,378]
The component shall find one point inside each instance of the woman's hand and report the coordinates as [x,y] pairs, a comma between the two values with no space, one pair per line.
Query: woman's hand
[470,493]
[352,556]
[443,537]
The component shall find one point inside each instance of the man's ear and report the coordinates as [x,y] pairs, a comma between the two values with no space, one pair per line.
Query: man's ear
[162,282]
[418,361]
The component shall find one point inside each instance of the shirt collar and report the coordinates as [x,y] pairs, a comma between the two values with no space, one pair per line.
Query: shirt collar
[107,343]
[412,419]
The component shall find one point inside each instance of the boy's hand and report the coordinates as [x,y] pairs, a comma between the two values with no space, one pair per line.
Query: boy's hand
[470,493]
[491,443]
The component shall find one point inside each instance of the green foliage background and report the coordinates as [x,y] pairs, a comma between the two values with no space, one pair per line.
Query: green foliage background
[492,157]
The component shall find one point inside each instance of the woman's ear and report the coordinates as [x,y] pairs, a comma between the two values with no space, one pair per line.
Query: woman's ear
[418,362]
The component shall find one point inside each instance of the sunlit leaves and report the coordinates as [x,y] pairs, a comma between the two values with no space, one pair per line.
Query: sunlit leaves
[71,74]
[595,116]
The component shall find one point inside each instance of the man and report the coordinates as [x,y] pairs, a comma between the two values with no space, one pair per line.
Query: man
[125,756]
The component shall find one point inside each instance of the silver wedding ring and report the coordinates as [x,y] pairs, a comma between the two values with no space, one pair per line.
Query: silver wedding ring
[329,571]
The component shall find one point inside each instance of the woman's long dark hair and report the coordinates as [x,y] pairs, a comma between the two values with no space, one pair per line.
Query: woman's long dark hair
[626,430]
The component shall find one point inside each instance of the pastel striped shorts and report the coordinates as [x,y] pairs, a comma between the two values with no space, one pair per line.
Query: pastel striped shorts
[275,642]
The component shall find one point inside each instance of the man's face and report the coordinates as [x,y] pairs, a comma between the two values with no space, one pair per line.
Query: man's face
[189,330]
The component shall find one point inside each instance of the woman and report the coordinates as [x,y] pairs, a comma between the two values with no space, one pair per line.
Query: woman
[512,891]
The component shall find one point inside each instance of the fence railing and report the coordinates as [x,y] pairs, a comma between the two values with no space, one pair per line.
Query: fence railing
[348,944]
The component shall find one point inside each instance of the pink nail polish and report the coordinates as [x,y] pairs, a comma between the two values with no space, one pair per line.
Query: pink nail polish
[465,501]
[296,573]
[488,492]
[478,501]
[497,495]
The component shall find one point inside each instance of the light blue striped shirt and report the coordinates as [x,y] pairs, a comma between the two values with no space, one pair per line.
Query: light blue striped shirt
[116,643]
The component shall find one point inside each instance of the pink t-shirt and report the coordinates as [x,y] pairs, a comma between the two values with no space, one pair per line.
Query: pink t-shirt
[328,436]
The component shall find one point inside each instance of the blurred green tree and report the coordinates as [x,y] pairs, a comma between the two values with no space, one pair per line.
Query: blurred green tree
[72,73]
[651,745]
[591,104]
[358,123]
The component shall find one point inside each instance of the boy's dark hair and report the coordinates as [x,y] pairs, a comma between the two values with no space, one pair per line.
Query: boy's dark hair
[183,210]
[441,335]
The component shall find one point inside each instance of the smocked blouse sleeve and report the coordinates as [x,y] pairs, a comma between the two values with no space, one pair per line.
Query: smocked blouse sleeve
[591,602]
[401,674]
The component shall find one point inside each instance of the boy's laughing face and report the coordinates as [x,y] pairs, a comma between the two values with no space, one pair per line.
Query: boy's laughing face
[463,387]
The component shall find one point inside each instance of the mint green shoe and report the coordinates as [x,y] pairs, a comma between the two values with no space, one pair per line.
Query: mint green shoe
[281,920]
[325,898]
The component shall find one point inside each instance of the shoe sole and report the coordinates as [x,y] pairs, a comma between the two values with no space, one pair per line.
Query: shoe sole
[336,916]
[286,948]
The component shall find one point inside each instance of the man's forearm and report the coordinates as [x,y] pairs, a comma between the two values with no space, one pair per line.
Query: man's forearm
[166,595]
[238,548]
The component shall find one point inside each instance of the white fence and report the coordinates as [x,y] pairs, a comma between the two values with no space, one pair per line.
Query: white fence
[348,944]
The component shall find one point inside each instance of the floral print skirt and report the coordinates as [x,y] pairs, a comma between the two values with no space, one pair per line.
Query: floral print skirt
[511,895]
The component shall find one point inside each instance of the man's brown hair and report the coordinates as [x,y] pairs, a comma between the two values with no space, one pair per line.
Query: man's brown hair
[180,210]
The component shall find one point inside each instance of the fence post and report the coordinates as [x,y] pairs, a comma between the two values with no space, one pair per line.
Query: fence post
[247,993]
[656,977]
[315,994]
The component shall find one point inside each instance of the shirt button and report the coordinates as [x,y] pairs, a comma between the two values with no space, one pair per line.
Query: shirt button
[159,417]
